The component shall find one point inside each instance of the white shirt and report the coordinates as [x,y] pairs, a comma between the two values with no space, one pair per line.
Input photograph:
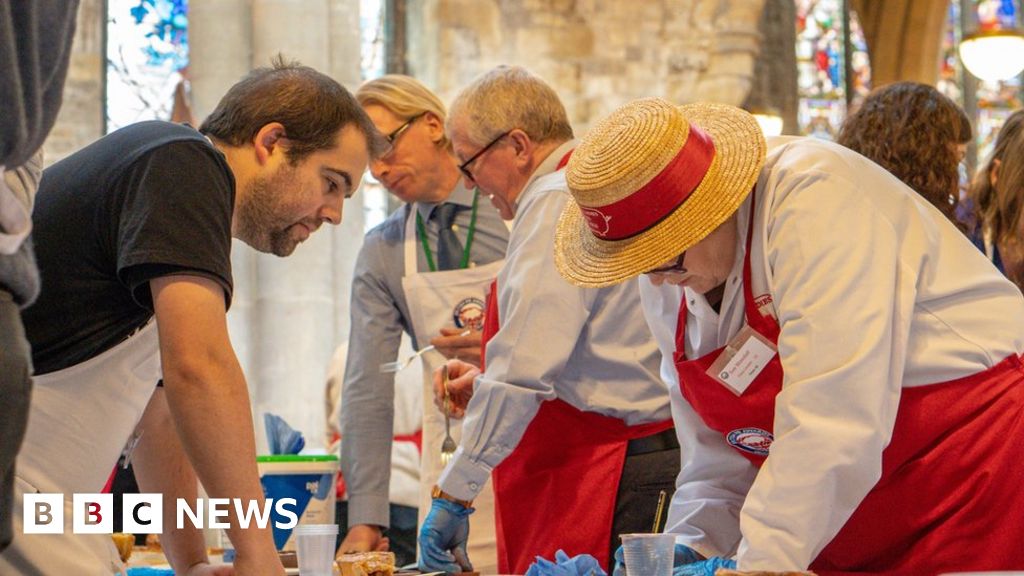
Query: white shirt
[874,291]
[587,347]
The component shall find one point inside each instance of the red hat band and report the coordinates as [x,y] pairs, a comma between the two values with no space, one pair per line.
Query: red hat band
[654,201]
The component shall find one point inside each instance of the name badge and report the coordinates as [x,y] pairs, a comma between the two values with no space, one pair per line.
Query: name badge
[742,359]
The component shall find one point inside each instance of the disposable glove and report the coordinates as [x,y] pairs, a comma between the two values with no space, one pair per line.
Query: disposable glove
[704,567]
[446,528]
[581,565]
[683,555]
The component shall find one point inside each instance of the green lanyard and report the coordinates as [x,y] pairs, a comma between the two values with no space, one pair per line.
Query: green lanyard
[421,230]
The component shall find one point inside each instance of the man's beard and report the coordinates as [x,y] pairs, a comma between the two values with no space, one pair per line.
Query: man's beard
[259,225]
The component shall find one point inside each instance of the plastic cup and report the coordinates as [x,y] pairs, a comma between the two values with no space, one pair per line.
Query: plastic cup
[315,548]
[648,554]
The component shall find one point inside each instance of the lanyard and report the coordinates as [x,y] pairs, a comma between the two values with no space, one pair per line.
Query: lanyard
[421,231]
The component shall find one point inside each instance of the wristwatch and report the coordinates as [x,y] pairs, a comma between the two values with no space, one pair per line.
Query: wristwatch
[436,492]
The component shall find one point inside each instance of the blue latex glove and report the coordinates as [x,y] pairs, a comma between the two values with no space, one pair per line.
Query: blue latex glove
[581,565]
[704,567]
[445,528]
[683,555]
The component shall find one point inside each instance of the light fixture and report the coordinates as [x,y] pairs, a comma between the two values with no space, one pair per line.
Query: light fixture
[769,120]
[993,55]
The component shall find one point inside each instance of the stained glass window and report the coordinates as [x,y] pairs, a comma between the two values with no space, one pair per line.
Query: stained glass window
[821,69]
[950,69]
[147,47]
[995,100]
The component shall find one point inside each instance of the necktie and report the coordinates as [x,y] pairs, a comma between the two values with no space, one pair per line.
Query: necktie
[449,249]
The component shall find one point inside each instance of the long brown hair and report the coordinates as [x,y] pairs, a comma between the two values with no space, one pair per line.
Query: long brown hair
[912,130]
[1000,207]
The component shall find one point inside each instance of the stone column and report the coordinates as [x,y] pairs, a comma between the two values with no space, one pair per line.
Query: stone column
[220,37]
[287,314]
[295,304]
[774,83]
[345,59]
[80,120]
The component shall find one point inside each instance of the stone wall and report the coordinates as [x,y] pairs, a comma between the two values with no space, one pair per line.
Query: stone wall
[81,115]
[597,54]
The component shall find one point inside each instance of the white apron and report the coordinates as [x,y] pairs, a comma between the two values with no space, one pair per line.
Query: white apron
[434,300]
[80,419]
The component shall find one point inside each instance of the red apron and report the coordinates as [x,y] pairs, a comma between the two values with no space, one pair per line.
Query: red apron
[949,498]
[557,489]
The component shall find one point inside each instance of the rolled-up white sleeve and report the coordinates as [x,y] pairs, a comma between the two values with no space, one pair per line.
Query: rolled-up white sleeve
[844,302]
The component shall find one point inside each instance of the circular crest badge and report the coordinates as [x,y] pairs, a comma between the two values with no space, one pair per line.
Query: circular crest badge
[751,440]
[469,313]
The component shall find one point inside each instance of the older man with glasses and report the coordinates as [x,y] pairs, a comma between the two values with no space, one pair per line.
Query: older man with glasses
[570,412]
[422,271]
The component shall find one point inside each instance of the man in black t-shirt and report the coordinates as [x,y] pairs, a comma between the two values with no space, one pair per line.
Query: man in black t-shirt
[138,226]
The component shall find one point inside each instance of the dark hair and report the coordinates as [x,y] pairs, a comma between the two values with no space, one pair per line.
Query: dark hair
[311,106]
[912,130]
[1000,208]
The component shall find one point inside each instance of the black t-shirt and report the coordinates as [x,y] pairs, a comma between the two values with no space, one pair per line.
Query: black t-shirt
[150,200]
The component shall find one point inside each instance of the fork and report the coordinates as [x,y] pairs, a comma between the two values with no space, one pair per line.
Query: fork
[399,365]
[448,446]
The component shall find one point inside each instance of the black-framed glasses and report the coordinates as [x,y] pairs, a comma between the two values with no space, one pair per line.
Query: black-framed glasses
[464,167]
[393,136]
[676,266]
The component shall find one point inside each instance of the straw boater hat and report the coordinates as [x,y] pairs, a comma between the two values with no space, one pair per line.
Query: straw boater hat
[650,181]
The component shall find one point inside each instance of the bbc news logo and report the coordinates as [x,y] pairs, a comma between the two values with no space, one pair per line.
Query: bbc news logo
[144,513]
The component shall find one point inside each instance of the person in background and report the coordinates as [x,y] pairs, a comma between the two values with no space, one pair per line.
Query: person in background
[916,133]
[569,413]
[997,192]
[137,227]
[423,271]
[846,365]
[35,47]
[404,485]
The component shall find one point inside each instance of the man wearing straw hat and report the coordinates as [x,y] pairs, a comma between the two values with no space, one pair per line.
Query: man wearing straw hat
[846,364]
[570,413]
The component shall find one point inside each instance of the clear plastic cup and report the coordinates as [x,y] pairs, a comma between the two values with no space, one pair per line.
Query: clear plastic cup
[315,548]
[648,554]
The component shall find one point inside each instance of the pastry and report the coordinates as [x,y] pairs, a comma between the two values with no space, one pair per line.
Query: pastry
[124,544]
[367,564]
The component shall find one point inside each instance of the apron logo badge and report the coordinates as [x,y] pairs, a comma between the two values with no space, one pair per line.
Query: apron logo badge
[600,224]
[469,313]
[764,305]
[751,440]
